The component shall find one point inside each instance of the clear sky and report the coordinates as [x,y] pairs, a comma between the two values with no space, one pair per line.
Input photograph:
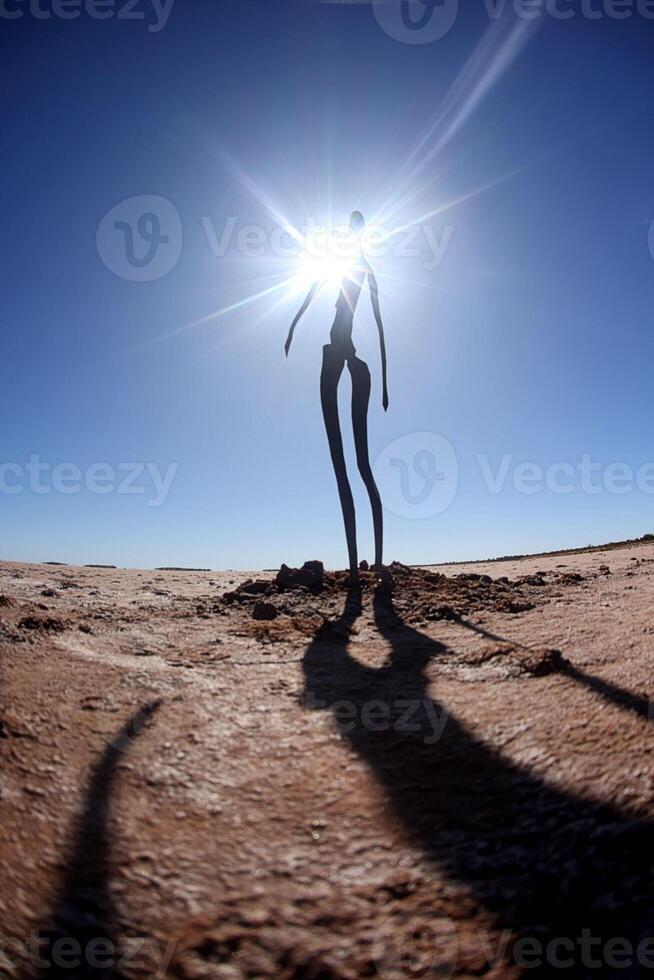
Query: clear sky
[525,148]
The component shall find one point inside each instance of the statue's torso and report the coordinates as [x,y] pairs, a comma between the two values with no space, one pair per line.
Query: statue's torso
[351,288]
[341,332]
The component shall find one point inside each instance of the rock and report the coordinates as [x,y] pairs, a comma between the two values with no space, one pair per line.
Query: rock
[264,610]
[250,587]
[364,566]
[540,663]
[46,624]
[310,576]
[397,568]
[511,604]
[442,612]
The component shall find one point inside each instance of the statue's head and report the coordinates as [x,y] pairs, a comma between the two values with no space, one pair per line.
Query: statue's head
[357,222]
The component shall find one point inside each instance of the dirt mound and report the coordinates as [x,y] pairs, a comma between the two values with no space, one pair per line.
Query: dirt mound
[418,595]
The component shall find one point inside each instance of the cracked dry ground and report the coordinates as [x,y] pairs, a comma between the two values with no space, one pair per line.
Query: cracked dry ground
[400,783]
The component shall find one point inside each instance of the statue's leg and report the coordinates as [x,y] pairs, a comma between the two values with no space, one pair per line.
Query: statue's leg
[332,368]
[360,399]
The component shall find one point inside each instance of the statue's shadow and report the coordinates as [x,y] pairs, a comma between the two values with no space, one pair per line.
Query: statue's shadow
[545,863]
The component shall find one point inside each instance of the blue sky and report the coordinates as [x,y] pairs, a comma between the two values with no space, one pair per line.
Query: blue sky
[531,340]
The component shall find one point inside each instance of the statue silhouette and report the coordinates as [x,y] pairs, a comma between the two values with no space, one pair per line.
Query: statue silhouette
[335,354]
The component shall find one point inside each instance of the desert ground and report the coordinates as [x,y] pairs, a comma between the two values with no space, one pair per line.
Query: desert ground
[446,773]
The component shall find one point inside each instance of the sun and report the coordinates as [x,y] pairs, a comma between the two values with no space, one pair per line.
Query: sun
[328,269]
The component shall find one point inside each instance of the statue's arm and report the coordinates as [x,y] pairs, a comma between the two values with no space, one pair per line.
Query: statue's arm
[300,313]
[374,296]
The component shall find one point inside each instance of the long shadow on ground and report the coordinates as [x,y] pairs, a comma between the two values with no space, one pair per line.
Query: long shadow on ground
[547,864]
[81,940]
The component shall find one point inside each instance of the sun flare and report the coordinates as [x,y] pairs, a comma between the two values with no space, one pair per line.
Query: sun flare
[328,269]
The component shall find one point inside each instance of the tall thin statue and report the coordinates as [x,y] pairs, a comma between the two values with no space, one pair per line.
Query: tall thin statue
[335,354]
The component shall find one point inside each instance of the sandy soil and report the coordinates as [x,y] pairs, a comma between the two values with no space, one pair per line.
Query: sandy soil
[451,776]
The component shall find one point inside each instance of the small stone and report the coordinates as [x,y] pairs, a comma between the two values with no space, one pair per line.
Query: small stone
[257,587]
[46,624]
[310,576]
[264,610]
